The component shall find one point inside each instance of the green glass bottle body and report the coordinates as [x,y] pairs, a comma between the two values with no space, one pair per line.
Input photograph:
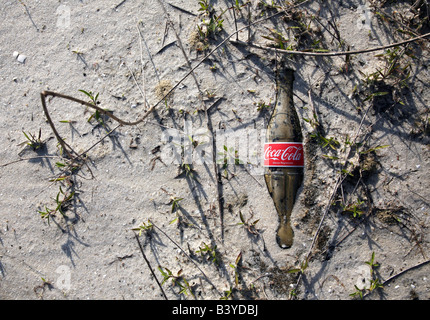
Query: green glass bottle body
[283,156]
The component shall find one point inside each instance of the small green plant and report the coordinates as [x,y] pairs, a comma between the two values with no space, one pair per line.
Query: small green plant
[211,252]
[229,155]
[205,6]
[354,209]
[178,280]
[261,105]
[392,67]
[35,143]
[374,149]
[238,6]
[375,283]
[62,201]
[94,100]
[278,39]
[303,266]
[324,142]
[143,227]
[313,121]
[372,264]
[250,226]
[236,268]
[227,294]
[174,201]
[211,23]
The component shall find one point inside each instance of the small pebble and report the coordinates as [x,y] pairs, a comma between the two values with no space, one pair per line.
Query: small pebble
[21,58]
[15,54]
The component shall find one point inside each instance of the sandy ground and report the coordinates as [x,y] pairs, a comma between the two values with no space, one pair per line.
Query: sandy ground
[371,108]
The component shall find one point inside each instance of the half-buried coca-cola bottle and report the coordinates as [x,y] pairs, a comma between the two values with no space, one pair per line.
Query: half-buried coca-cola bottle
[283,156]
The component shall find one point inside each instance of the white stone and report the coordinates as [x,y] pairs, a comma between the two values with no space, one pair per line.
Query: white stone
[15,54]
[21,58]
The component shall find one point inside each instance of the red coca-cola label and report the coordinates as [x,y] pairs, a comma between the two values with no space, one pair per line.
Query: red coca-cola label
[283,154]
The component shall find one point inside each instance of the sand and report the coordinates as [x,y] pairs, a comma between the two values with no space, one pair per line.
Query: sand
[128,53]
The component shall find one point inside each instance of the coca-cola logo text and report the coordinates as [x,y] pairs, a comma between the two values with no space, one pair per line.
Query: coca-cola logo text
[283,154]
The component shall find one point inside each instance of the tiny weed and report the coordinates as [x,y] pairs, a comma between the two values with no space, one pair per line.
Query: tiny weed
[177,280]
[331,142]
[96,115]
[227,294]
[303,266]
[35,143]
[209,251]
[143,227]
[236,268]
[174,201]
[263,106]
[229,155]
[211,23]
[278,39]
[354,209]
[250,226]
[375,283]
[62,201]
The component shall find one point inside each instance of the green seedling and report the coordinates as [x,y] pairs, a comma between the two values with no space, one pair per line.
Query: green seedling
[354,209]
[262,106]
[62,201]
[236,267]
[313,121]
[211,23]
[209,251]
[177,280]
[94,100]
[303,266]
[372,264]
[205,6]
[237,6]
[174,201]
[374,149]
[375,94]
[279,40]
[229,155]
[35,143]
[331,142]
[143,227]
[250,226]
[358,292]
[375,283]
[227,294]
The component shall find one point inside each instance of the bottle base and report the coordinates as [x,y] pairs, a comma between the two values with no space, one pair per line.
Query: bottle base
[285,237]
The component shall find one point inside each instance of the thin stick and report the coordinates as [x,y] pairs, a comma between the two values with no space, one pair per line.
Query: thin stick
[138,86]
[330,54]
[149,53]
[149,265]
